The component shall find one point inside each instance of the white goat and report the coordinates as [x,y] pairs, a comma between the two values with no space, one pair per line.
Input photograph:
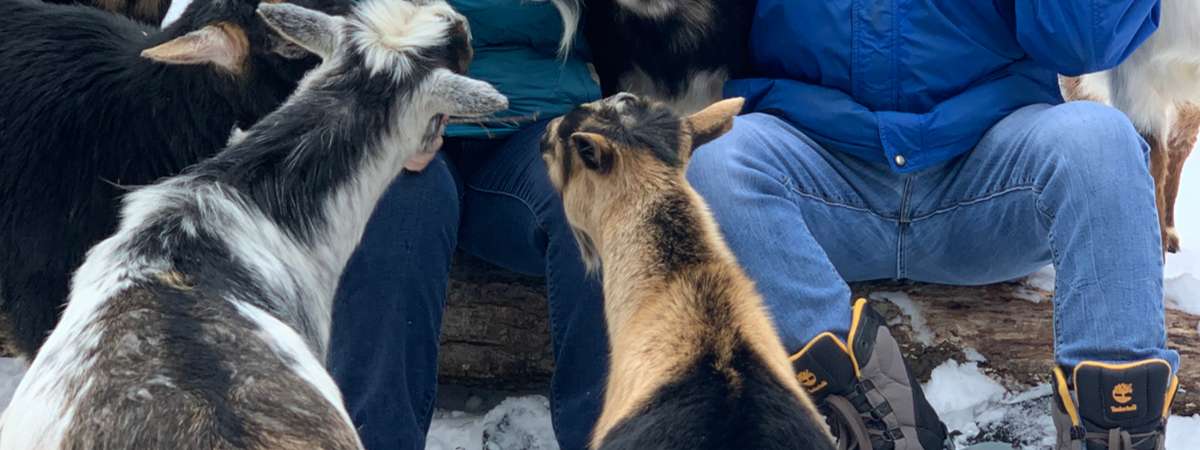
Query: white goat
[1158,87]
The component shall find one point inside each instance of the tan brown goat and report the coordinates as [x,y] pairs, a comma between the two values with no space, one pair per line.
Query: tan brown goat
[696,362]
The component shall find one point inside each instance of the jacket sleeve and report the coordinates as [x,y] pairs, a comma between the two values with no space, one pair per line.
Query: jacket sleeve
[1075,37]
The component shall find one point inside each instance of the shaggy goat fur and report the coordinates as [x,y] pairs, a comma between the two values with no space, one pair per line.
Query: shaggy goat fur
[696,362]
[203,322]
[83,113]
[1158,87]
[678,51]
[150,12]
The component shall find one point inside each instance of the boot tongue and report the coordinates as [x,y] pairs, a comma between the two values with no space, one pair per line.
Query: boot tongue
[1130,398]
[824,368]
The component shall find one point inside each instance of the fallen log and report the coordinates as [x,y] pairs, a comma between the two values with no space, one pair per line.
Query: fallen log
[495,332]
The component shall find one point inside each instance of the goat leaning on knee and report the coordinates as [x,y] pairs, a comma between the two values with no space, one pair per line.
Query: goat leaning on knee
[203,322]
[696,362]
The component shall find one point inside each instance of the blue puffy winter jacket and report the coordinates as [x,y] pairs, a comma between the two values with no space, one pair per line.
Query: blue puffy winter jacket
[918,82]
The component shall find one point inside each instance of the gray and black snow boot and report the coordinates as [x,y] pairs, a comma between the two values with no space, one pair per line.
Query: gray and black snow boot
[866,391]
[1114,407]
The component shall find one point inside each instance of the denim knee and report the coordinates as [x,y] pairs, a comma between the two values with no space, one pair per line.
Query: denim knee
[1096,142]
[728,164]
[417,206]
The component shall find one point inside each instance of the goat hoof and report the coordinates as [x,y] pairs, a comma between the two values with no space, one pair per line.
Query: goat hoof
[1172,242]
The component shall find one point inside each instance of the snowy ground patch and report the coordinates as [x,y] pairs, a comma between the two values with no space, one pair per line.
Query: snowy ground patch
[519,423]
[921,331]
[964,397]
[1181,276]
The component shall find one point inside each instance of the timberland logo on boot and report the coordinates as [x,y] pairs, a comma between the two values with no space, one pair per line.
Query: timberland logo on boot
[1123,395]
[810,382]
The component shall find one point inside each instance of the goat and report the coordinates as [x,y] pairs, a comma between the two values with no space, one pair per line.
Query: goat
[1158,87]
[90,102]
[203,322]
[150,12]
[678,51]
[696,362]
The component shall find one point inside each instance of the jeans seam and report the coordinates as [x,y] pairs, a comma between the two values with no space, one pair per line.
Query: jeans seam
[550,287]
[791,187]
[554,331]
[1036,190]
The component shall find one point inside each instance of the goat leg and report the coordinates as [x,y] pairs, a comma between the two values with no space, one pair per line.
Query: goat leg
[1159,162]
[1180,145]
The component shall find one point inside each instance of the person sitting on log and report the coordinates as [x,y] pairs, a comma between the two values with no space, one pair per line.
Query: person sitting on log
[928,141]
[486,193]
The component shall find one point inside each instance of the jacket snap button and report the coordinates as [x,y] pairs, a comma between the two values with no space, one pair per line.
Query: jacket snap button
[900,161]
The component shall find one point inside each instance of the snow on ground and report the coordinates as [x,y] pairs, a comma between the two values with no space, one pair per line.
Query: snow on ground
[921,331]
[1182,272]
[518,423]
[964,396]
[974,406]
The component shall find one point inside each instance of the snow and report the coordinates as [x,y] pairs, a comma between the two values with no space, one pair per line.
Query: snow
[1183,433]
[963,396]
[976,408]
[1181,275]
[518,423]
[921,331]
[1041,280]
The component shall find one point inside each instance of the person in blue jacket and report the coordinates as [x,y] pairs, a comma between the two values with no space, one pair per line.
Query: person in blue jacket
[488,194]
[927,140]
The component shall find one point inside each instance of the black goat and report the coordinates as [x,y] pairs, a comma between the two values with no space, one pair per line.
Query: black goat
[146,11]
[90,102]
[677,51]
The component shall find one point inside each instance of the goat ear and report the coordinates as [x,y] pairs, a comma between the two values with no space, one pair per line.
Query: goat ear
[595,150]
[222,44]
[457,95]
[713,121]
[315,31]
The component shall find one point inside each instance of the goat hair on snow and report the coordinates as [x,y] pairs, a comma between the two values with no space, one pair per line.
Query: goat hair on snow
[203,322]
[677,51]
[91,101]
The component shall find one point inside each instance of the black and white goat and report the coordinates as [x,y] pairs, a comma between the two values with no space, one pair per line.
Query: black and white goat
[90,101]
[202,323]
[677,51]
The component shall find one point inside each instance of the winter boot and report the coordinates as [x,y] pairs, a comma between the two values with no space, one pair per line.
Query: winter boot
[1114,407]
[866,391]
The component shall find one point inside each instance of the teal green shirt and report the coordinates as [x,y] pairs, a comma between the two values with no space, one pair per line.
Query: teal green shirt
[516,49]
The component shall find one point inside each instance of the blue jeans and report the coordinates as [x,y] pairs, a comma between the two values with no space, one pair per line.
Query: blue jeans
[1066,184]
[497,204]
